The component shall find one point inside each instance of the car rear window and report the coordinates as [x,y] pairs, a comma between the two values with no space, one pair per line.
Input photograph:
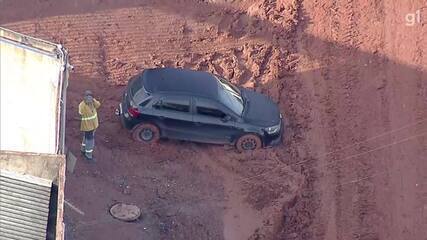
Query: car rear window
[137,91]
[135,85]
[145,102]
[140,96]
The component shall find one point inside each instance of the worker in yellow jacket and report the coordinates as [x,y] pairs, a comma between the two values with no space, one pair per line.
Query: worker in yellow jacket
[89,123]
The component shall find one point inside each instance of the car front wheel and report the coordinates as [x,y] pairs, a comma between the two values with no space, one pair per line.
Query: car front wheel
[248,142]
[146,133]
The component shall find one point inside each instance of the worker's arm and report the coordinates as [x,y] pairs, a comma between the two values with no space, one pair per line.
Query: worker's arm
[96,103]
[80,109]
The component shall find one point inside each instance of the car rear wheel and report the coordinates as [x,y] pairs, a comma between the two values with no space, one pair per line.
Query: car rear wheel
[146,133]
[248,142]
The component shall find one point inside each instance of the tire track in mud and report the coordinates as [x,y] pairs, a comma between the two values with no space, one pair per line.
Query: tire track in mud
[344,75]
[315,224]
[338,90]
[360,75]
[352,204]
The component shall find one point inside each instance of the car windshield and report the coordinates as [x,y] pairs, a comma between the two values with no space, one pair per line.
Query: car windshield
[230,96]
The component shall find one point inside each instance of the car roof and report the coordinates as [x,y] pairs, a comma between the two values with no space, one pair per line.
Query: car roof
[177,80]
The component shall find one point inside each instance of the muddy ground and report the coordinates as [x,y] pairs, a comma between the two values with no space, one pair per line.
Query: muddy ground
[349,77]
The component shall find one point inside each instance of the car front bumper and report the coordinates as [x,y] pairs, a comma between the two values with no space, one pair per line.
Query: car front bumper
[274,139]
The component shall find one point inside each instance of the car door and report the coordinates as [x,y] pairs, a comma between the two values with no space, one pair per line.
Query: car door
[213,124]
[174,117]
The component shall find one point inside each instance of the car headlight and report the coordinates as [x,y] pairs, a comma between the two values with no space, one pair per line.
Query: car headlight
[273,129]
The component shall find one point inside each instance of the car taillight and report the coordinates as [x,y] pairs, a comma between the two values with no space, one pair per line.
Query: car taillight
[133,112]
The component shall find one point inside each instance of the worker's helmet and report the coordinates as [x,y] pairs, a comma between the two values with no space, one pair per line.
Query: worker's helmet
[88,93]
[88,96]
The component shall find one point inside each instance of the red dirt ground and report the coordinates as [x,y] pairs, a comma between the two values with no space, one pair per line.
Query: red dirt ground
[349,76]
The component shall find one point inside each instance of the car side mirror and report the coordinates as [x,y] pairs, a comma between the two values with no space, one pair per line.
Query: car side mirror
[226,118]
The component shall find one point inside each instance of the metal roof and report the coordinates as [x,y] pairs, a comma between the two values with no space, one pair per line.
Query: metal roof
[24,206]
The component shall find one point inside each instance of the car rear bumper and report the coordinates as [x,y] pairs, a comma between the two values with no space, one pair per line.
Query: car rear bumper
[126,121]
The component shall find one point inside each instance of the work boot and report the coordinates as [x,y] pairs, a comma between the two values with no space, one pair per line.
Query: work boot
[90,160]
[89,157]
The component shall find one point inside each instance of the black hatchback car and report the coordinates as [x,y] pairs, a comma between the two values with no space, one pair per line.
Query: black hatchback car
[198,106]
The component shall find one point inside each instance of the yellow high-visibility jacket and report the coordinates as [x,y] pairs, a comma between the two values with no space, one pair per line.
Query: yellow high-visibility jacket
[89,115]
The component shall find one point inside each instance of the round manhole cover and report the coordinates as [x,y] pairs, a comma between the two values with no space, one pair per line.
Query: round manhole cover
[125,212]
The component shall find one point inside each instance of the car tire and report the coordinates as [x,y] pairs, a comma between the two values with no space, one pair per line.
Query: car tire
[146,133]
[248,142]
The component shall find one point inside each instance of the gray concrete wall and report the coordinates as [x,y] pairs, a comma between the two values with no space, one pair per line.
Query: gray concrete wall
[46,166]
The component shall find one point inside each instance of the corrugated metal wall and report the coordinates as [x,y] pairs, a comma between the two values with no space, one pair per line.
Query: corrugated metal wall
[24,207]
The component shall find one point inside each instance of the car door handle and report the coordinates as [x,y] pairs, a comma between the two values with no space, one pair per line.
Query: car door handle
[198,123]
[161,117]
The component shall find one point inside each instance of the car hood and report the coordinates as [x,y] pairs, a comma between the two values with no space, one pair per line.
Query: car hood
[260,110]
